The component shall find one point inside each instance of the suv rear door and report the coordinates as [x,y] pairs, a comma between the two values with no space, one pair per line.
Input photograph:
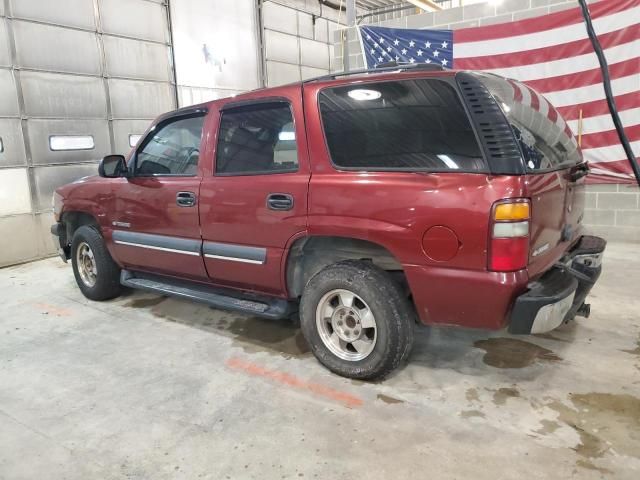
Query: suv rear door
[255,201]
[554,167]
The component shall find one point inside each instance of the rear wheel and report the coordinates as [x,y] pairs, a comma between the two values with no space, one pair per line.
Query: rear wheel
[356,320]
[97,275]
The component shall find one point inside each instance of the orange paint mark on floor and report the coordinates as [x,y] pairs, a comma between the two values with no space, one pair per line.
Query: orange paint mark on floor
[295,382]
[52,309]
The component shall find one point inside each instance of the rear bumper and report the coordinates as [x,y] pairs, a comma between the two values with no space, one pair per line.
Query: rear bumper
[559,294]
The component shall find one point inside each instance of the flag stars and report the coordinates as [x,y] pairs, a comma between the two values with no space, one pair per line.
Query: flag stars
[380,59]
[445,44]
[419,52]
[436,53]
[412,60]
[396,42]
[404,51]
[428,60]
[427,45]
[388,49]
[372,51]
[444,62]
[412,44]
[375,45]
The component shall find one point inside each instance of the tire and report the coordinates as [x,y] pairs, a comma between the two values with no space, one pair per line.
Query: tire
[103,281]
[379,350]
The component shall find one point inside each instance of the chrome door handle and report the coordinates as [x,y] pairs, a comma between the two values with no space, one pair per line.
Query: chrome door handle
[279,201]
[186,199]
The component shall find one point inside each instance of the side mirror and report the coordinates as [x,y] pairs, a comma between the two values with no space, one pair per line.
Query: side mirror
[112,166]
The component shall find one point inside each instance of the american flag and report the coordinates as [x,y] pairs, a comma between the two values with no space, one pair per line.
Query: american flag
[554,57]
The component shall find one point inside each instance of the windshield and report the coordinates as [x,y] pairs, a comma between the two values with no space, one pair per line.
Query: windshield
[408,125]
[546,140]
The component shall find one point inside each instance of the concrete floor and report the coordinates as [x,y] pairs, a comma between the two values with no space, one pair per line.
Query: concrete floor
[147,387]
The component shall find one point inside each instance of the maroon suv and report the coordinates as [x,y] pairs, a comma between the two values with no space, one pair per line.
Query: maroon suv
[363,202]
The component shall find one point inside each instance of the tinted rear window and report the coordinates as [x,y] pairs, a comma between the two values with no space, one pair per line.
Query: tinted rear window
[547,143]
[409,125]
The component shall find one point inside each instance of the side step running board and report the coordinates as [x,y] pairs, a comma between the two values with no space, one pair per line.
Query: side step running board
[261,306]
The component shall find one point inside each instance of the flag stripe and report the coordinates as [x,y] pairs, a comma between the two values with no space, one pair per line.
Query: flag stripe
[567,65]
[558,36]
[600,107]
[542,23]
[590,93]
[603,123]
[583,79]
[546,54]
[610,137]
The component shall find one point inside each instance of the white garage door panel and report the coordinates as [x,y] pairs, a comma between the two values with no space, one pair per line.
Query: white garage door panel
[12,153]
[123,128]
[314,54]
[135,99]
[41,130]
[8,95]
[58,95]
[310,72]
[75,13]
[305,25]
[278,17]
[136,59]
[5,56]
[134,18]
[22,231]
[50,178]
[45,47]
[281,47]
[14,194]
[282,73]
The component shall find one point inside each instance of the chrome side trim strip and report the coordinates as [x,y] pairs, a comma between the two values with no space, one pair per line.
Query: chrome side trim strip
[233,252]
[153,247]
[234,259]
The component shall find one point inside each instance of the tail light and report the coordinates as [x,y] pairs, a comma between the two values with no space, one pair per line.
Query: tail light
[509,235]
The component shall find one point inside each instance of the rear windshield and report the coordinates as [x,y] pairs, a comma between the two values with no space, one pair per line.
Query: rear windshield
[546,140]
[408,125]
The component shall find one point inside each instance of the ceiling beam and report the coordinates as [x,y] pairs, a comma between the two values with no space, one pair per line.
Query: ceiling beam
[426,5]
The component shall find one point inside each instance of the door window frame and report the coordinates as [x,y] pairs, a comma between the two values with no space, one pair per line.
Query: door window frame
[163,122]
[250,103]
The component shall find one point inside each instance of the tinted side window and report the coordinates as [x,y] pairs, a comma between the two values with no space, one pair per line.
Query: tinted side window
[408,125]
[172,150]
[256,139]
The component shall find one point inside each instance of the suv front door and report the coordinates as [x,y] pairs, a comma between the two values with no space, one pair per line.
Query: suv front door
[255,201]
[155,218]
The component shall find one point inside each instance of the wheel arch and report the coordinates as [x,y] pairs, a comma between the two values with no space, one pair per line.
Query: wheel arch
[309,254]
[72,220]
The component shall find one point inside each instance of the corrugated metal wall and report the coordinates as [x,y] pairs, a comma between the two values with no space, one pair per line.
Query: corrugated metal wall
[89,72]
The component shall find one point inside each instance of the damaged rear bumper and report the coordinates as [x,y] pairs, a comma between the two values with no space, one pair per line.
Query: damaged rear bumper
[559,295]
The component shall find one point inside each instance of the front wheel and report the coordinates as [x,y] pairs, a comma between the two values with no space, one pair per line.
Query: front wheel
[356,320]
[97,275]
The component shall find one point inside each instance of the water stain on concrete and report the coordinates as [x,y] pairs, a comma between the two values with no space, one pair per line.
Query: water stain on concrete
[471,414]
[145,302]
[635,351]
[472,395]
[548,336]
[252,334]
[603,421]
[513,353]
[388,399]
[501,395]
[277,335]
[590,466]
[548,427]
